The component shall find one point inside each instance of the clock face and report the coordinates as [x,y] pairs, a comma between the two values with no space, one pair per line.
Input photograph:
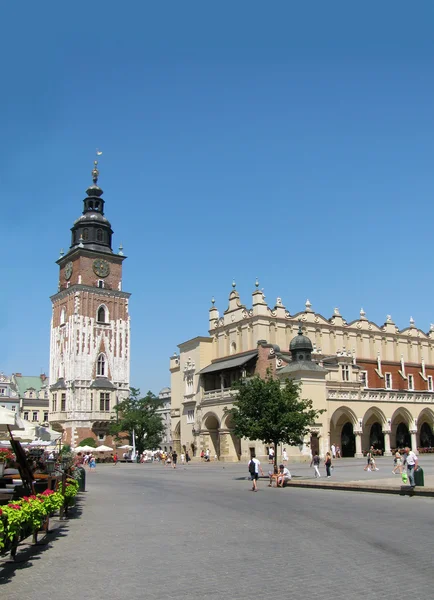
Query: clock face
[101,267]
[68,270]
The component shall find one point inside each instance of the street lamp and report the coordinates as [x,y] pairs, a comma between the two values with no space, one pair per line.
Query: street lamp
[50,464]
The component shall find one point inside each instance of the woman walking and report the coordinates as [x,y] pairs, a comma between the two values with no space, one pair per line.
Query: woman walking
[397,462]
[315,462]
[328,464]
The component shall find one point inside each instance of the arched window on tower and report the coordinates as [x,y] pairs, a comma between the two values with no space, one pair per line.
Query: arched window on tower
[101,315]
[85,234]
[100,367]
[63,317]
[99,235]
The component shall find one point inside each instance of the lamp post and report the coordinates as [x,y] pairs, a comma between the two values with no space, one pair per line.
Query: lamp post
[50,464]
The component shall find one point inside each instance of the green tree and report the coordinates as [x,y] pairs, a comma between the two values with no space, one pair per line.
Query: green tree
[140,415]
[271,411]
[88,442]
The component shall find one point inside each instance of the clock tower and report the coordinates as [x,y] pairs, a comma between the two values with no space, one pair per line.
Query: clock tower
[90,329]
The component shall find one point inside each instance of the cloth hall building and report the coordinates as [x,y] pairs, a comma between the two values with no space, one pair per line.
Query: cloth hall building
[374,382]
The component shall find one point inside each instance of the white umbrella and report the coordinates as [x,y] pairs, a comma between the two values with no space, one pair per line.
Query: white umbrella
[39,443]
[125,447]
[9,417]
[103,449]
[84,449]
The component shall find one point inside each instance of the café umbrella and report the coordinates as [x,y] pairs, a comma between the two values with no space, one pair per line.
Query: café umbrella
[84,449]
[103,449]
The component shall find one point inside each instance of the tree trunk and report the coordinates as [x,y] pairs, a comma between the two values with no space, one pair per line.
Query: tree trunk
[275,453]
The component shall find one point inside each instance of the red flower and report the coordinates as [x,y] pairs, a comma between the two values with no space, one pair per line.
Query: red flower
[15,506]
[47,492]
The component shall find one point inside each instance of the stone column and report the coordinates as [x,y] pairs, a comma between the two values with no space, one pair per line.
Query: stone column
[387,449]
[359,453]
[413,433]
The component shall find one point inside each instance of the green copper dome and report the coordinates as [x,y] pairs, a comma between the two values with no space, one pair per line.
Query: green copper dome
[301,347]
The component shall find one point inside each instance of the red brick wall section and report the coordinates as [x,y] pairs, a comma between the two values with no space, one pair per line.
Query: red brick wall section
[83,265]
[264,362]
[84,432]
[398,383]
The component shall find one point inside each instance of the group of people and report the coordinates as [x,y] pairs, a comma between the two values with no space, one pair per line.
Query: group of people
[406,460]
[85,460]
[335,451]
[279,476]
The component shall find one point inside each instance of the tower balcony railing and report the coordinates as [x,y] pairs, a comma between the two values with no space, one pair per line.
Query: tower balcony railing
[82,415]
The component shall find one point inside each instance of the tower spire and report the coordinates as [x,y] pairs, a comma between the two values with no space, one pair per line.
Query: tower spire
[95,172]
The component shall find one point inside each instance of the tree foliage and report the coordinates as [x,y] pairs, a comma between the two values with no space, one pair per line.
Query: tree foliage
[271,411]
[140,415]
[88,442]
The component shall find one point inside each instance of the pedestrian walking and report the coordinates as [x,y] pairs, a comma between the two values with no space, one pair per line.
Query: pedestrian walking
[182,459]
[92,462]
[411,465]
[333,449]
[397,461]
[174,458]
[328,464]
[187,457]
[202,455]
[115,459]
[254,470]
[207,455]
[271,455]
[284,456]
[315,462]
[338,452]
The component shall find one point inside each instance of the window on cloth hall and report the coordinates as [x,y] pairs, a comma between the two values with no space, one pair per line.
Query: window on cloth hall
[63,402]
[345,370]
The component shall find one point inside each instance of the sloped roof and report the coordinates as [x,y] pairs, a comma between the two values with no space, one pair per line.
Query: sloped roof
[102,383]
[28,382]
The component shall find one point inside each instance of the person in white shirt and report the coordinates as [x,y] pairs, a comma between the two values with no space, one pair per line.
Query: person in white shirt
[284,456]
[333,449]
[254,469]
[283,477]
[411,465]
[271,455]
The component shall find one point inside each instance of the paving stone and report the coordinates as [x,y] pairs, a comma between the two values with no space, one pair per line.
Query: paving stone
[148,531]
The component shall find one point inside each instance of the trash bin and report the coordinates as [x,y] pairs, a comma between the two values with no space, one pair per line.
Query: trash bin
[419,479]
[81,480]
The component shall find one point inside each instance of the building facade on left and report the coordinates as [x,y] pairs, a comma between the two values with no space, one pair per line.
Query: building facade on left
[90,329]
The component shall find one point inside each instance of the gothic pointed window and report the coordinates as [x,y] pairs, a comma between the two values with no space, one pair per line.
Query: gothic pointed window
[99,235]
[85,234]
[100,368]
[101,315]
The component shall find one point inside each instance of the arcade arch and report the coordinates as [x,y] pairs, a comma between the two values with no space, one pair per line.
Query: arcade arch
[210,431]
[342,425]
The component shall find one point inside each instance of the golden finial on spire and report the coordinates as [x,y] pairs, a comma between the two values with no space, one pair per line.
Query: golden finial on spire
[95,172]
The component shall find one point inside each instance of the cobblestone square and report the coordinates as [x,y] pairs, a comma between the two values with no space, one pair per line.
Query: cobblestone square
[148,531]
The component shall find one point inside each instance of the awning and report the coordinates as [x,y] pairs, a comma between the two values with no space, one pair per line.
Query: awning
[229,363]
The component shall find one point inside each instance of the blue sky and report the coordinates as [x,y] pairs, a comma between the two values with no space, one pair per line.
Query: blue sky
[289,142]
